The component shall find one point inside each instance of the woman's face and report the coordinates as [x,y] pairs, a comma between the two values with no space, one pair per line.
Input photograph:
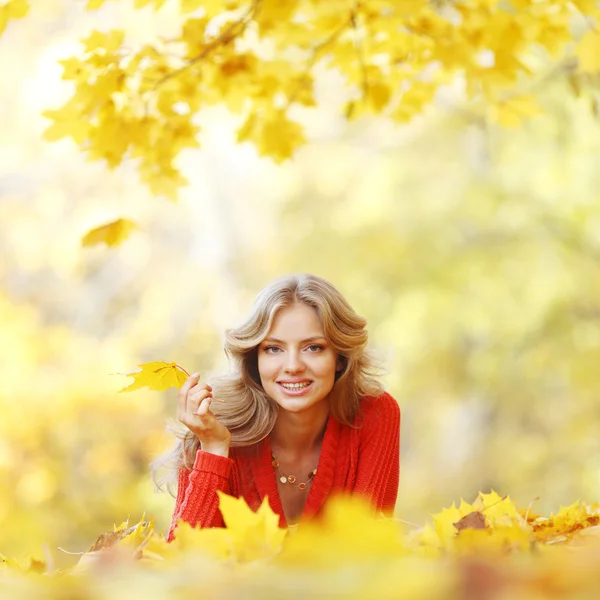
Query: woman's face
[296,364]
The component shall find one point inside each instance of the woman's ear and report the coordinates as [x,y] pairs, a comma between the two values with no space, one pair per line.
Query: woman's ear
[340,363]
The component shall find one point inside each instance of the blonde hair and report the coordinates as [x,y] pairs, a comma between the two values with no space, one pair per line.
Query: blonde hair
[248,412]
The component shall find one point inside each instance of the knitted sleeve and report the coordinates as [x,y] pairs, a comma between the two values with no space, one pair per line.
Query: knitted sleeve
[197,501]
[378,472]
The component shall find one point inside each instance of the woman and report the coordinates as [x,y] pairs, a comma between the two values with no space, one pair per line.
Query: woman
[299,418]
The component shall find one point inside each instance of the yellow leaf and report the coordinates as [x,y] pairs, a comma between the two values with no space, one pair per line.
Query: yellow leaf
[443,523]
[111,234]
[588,52]
[73,68]
[15,9]
[495,505]
[60,129]
[274,134]
[214,541]
[349,532]
[166,183]
[253,535]
[94,4]
[106,42]
[157,376]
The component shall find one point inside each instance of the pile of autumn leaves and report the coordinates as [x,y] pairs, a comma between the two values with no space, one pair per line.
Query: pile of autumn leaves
[486,550]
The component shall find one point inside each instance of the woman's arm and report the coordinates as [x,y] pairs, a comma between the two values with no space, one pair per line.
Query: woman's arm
[197,501]
[378,472]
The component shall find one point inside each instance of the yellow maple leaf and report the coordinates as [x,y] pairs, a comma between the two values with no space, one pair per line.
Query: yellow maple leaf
[165,184]
[495,506]
[111,234]
[443,523]
[349,531]
[106,42]
[588,52]
[425,541]
[73,68]
[254,535]
[157,376]
[247,536]
[274,134]
[212,541]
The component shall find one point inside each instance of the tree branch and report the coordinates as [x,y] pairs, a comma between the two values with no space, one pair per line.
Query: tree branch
[224,37]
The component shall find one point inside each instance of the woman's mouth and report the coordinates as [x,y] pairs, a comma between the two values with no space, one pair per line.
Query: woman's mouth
[295,389]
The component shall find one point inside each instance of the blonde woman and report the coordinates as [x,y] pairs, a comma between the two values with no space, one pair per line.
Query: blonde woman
[300,418]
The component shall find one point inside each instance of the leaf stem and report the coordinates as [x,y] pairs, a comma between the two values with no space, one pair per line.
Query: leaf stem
[180,367]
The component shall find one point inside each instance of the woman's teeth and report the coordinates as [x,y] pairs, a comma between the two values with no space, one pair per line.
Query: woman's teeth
[295,386]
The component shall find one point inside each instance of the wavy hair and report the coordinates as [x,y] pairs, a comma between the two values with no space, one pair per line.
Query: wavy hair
[247,411]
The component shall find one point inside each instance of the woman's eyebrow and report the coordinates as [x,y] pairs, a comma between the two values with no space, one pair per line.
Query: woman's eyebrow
[310,339]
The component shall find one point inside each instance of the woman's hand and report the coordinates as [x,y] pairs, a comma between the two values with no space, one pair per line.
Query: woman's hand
[194,412]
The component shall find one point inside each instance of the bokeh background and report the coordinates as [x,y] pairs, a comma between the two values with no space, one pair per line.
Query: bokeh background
[472,250]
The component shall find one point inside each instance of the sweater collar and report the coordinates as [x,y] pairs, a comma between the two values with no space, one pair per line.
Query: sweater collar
[266,482]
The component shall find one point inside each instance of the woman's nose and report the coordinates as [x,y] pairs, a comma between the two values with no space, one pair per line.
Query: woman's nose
[293,363]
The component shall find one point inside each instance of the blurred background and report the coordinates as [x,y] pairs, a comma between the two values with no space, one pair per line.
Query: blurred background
[473,251]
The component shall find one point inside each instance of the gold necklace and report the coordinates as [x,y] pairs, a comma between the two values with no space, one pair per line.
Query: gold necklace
[291,478]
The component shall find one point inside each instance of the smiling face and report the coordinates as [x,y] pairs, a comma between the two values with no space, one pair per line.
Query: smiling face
[296,364]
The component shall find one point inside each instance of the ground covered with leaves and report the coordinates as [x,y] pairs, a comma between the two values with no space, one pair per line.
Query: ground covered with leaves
[489,549]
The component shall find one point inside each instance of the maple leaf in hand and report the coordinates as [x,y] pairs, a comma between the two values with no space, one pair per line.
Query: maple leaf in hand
[157,376]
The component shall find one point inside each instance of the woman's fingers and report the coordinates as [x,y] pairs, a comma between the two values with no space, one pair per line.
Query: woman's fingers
[195,397]
[190,382]
[191,394]
[203,409]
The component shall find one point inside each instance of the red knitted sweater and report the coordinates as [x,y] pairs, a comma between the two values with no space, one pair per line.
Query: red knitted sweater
[363,461]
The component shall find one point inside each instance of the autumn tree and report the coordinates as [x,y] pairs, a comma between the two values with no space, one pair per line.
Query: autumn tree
[261,58]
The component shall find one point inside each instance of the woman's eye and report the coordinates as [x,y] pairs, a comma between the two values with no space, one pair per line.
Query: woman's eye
[271,349]
[315,348]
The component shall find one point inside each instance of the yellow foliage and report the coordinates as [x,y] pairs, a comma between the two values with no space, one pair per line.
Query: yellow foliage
[394,56]
[349,552]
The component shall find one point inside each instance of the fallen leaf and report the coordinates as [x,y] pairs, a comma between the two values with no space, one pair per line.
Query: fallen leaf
[111,234]
[474,520]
